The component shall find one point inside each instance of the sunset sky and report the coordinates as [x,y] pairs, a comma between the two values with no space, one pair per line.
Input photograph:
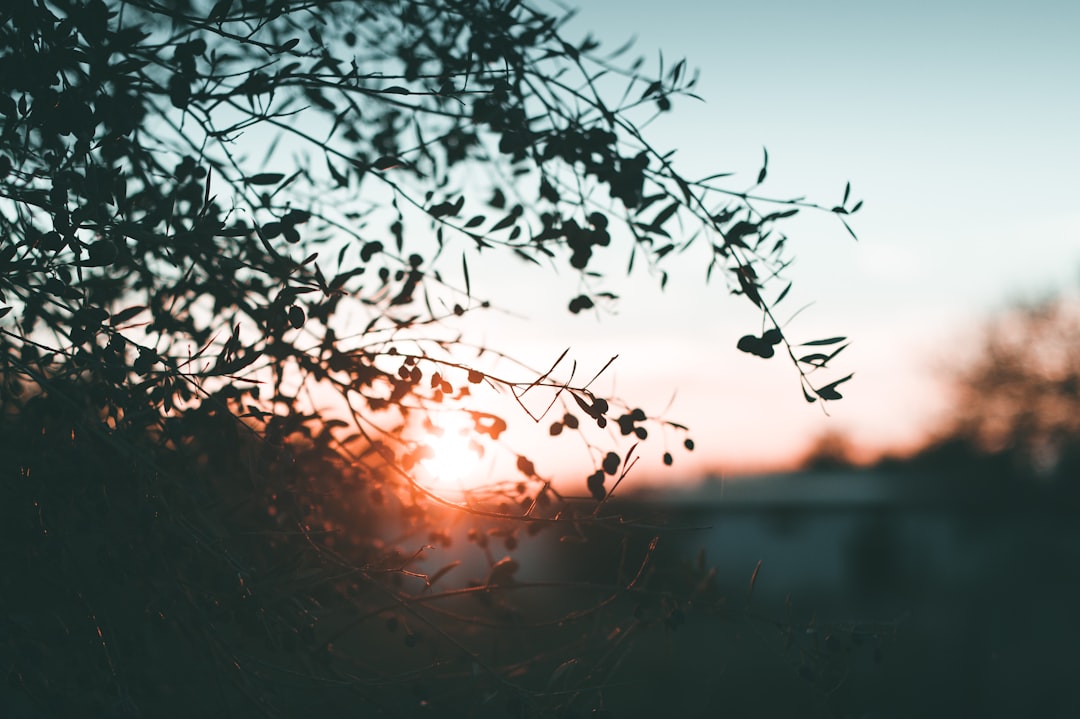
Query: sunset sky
[956,122]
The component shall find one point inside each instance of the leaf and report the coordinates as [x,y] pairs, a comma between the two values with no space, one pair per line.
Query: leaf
[753,577]
[526,256]
[221,7]
[502,572]
[238,364]
[125,314]
[595,485]
[755,346]
[444,209]
[339,178]
[749,287]
[386,162]
[101,253]
[465,269]
[829,391]
[664,215]
[764,167]
[847,193]
[505,222]
[579,303]
[676,72]
[265,178]
[395,90]
[525,466]
[548,191]
[850,231]
[652,89]
[685,189]
[443,572]
[287,45]
[296,317]
[822,343]
[817,359]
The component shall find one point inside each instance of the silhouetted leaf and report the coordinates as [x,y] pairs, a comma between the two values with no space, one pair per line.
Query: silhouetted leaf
[265,178]
[756,346]
[339,178]
[126,314]
[829,390]
[663,216]
[595,485]
[442,572]
[287,45]
[579,303]
[219,10]
[525,466]
[296,317]
[502,572]
[386,162]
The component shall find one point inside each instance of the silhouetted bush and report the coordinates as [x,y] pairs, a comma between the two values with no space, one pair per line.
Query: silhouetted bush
[234,247]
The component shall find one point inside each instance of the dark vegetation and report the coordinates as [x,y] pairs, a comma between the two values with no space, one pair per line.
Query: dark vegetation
[234,244]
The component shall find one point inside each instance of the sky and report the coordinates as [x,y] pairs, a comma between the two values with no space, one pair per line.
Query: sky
[955,122]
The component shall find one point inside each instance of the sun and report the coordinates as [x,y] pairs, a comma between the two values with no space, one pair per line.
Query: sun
[455,453]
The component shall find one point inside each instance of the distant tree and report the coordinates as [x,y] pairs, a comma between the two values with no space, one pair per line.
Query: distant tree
[831,450]
[1019,398]
[235,242]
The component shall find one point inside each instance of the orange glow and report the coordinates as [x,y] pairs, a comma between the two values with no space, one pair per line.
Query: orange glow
[453,456]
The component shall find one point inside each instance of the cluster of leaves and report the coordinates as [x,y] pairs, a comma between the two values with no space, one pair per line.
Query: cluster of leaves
[220,234]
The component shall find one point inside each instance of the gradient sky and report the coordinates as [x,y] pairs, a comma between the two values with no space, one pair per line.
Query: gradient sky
[956,122]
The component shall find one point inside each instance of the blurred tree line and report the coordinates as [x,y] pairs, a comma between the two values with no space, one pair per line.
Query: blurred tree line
[1012,423]
[1015,418]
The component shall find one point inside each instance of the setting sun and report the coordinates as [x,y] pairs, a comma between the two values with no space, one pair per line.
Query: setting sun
[454,451]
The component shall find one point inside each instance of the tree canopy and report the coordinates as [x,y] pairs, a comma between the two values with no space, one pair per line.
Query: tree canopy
[235,239]
[1017,398]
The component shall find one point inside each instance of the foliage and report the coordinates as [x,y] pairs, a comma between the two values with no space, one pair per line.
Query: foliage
[235,242]
[1019,398]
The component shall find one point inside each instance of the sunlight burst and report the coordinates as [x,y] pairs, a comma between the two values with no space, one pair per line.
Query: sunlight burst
[454,451]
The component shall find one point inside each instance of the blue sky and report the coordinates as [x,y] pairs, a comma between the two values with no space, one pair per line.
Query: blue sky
[956,122]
